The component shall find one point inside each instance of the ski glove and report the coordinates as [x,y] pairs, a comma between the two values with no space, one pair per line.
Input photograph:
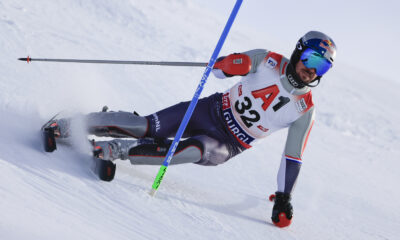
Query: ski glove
[282,212]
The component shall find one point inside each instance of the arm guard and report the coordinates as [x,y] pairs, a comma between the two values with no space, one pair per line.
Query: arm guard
[239,63]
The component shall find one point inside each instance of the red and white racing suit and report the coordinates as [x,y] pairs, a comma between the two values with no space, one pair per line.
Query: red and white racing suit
[224,124]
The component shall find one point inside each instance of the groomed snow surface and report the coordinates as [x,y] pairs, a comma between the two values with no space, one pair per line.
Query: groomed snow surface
[347,188]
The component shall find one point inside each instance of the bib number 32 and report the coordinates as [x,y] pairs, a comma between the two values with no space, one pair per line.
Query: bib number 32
[267,95]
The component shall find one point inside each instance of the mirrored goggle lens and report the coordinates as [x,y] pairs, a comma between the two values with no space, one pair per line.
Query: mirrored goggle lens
[312,59]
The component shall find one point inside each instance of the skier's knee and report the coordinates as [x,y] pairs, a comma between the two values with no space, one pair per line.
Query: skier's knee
[214,152]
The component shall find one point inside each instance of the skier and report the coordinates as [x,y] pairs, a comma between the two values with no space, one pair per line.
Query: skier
[274,93]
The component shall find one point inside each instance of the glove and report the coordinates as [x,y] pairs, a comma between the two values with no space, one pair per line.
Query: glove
[282,212]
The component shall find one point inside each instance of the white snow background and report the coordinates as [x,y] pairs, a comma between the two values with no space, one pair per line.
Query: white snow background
[347,188]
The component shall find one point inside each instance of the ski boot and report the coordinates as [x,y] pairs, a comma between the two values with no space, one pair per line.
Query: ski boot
[54,129]
[106,152]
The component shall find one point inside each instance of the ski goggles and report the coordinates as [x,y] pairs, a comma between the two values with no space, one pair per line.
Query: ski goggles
[312,59]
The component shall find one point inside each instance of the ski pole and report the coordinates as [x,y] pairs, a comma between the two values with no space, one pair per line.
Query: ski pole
[195,99]
[162,63]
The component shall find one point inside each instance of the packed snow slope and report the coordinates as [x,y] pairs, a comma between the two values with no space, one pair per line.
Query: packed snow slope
[347,188]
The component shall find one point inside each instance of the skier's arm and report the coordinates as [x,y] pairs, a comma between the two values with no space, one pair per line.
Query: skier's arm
[290,167]
[291,159]
[239,63]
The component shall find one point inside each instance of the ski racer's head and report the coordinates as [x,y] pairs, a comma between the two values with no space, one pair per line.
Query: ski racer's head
[311,59]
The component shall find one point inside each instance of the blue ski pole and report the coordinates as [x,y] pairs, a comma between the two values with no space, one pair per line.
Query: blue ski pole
[195,99]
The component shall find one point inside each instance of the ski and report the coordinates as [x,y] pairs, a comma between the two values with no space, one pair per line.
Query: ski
[48,135]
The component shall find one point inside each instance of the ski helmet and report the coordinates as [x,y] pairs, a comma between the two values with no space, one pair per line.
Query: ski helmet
[316,50]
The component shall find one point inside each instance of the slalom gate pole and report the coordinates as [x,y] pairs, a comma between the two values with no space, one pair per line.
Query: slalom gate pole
[194,101]
[183,64]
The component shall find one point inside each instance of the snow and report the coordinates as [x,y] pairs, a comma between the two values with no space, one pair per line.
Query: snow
[346,189]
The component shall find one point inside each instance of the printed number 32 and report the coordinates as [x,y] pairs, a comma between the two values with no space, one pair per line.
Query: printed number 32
[242,107]
[267,95]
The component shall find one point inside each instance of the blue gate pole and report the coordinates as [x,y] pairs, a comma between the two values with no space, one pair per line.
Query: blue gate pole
[195,99]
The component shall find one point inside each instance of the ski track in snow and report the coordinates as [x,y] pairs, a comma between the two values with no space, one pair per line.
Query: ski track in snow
[346,189]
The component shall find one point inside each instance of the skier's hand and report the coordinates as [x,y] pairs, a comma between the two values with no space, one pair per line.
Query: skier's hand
[282,212]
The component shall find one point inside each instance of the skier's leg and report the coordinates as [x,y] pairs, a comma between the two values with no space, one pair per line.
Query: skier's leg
[116,124]
[104,124]
[162,124]
[153,152]
[148,151]
[202,150]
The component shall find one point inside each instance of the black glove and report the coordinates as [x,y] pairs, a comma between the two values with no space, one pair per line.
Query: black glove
[282,212]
